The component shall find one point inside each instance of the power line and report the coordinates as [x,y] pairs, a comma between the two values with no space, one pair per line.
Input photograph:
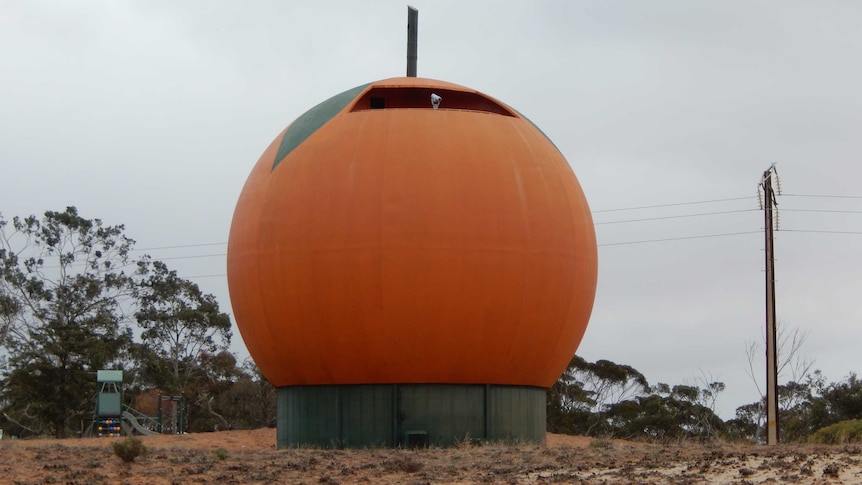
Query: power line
[672,205]
[644,241]
[193,257]
[678,238]
[626,243]
[820,231]
[824,196]
[181,246]
[673,217]
[724,234]
[822,210]
[676,204]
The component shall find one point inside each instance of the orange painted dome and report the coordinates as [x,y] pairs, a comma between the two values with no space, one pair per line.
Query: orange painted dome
[380,241]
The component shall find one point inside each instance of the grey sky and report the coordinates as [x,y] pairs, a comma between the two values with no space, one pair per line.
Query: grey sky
[152,114]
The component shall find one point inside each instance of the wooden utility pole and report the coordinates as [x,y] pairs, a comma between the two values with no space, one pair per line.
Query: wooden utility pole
[769,202]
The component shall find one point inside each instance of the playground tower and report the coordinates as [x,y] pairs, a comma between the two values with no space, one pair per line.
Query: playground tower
[113,418]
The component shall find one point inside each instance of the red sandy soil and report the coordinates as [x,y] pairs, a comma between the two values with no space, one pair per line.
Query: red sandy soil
[240,457]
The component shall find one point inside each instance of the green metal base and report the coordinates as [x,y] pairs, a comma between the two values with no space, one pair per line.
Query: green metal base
[389,415]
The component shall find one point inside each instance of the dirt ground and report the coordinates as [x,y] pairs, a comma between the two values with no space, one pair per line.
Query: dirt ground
[240,457]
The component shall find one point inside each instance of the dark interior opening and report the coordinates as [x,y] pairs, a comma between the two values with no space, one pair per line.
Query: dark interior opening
[416,439]
[420,98]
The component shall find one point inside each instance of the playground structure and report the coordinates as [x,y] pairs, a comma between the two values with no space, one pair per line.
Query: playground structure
[171,414]
[112,418]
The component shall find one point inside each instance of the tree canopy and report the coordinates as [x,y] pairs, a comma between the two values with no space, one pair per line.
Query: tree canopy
[615,400]
[606,399]
[74,301]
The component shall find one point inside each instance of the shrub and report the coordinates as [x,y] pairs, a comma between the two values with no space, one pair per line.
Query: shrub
[405,464]
[601,444]
[842,432]
[129,449]
[221,454]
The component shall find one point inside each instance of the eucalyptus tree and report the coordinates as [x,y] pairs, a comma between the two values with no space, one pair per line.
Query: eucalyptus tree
[181,325]
[184,340]
[66,284]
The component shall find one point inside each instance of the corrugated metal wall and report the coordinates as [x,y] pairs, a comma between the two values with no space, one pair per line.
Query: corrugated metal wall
[382,415]
[517,413]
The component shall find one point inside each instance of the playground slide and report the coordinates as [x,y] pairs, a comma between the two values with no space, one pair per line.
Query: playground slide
[135,424]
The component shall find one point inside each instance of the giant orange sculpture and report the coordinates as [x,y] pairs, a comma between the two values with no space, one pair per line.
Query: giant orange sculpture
[381,241]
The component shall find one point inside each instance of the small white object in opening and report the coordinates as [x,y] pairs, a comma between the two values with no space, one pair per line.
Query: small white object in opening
[435,101]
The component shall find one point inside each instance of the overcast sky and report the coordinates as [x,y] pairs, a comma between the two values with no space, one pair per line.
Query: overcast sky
[152,113]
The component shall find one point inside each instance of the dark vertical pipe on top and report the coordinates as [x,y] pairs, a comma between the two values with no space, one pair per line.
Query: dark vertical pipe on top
[412,40]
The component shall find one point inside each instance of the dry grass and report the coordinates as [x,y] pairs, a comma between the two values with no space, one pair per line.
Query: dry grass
[242,457]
